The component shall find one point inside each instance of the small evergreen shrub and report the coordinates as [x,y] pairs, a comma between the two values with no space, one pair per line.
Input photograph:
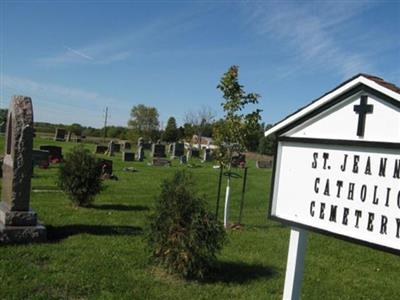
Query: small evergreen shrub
[79,176]
[183,237]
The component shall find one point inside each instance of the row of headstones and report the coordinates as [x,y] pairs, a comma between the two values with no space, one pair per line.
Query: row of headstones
[62,135]
[177,150]
[158,150]
[54,153]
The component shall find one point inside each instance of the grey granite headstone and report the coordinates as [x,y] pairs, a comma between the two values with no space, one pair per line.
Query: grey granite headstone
[101,149]
[140,142]
[147,146]
[126,145]
[117,147]
[207,156]
[128,156]
[111,148]
[264,164]
[158,150]
[69,136]
[60,135]
[106,167]
[18,223]
[140,153]
[178,149]
[182,159]
[192,152]
[55,152]
[195,152]
[40,157]
[238,160]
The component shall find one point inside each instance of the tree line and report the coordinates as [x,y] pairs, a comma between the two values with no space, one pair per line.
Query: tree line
[144,122]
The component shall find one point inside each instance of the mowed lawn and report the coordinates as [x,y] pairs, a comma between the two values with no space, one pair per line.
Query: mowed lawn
[100,252]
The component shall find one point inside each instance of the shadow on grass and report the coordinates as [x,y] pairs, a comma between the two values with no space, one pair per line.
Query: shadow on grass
[121,207]
[236,272]
[58,233]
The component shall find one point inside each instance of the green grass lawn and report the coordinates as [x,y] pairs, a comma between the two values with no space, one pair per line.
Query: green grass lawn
[100,253]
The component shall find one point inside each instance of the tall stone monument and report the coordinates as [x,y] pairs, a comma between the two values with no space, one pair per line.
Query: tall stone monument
[18,223]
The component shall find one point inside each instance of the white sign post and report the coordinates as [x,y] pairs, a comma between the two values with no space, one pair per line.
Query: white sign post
[295,264]
[337,170]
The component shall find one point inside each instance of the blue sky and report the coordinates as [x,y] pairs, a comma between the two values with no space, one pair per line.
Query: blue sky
[74,58]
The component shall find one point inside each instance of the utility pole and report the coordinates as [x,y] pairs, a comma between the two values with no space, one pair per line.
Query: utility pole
[106,115]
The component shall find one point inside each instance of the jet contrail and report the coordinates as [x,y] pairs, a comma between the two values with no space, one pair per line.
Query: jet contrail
[79,53]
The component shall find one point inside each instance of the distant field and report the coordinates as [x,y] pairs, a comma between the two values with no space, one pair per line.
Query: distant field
[100,253]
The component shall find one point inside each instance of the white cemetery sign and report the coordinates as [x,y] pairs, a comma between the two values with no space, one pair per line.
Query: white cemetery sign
[337,170]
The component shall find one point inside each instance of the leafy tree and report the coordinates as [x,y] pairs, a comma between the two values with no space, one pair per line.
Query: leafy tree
[90,131]
[171,132]
[76,129]
[117,132]
[189,131]
[79,176]
[144,121]
[181,133]
[267,144]
[200,121]
[231,134]
[252,139]
[3,119]
[183,236]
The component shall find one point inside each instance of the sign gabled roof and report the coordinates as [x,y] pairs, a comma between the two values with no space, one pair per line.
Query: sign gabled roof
[373,82]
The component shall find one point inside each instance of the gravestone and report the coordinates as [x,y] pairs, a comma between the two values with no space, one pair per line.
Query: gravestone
[18,223]
[111,148]
[263,164]
[195,152]
[60,134]
[140,142]
[161,162]
[69,136]
[207,156]
[128,156]
[182,159]
[126,145]
[117,147]
[192,152]
[106,168]
[40,158]
[140,153]
[101,149]
[54,151]
[158,150]
[178,149]
[147,146]
[238,160]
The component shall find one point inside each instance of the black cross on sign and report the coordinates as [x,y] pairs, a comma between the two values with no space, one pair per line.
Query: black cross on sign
[362,110]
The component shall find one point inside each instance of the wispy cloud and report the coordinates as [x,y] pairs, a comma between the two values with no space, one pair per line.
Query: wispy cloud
[120,47]
[58,103]
[315,34]
[79,53]
[104,51]
[90,54]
